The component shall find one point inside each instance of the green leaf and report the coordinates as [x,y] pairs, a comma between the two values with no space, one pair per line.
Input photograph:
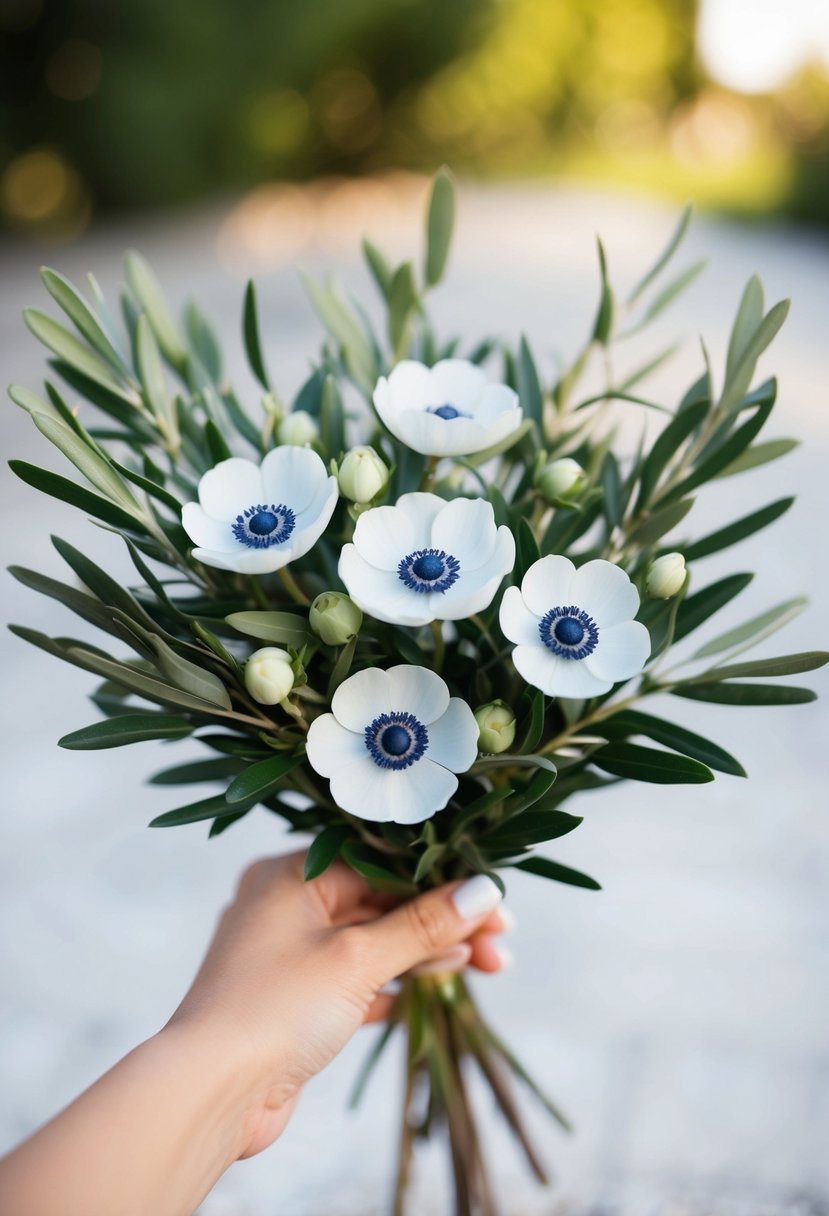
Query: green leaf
[195,771]
[216,443]
[527,551]
[746,323]
[635,763]
[190,677]
[76,496]
[203,341]
[127,728]
[783,665]
[195,812]
[759,454]
[345,330]
[284,628]
[739,377]
[603,324]
[428,860]
[151,371]
[696,609]
[440,220]
[362,860]
[522,800]
[403,301]
[534,725]
[110,593]
[83,318]
[529,386]
[86,460]
[728,451]
[76,353]
[723,538]
[658,524]
[250,331]
[668,443]
[147,291]
[632,722]
[85,606]
[381,271]
[544,867]
[755,630]
[745,694]
[611,483]
[369,1064]
[478,808]
[665,256]
[324,849]
[528,828]
[332,419]
[262,779]
[669,293]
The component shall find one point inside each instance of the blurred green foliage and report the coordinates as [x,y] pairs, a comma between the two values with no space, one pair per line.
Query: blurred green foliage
[133,103]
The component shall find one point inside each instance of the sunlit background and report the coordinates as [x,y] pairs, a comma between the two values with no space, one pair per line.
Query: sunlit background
[126,104]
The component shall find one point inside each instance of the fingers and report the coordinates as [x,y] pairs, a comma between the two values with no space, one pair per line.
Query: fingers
[427,927]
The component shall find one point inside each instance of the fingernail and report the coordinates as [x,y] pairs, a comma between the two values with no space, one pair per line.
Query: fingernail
[476,896]
[453,960]
[508,919]
[505,956]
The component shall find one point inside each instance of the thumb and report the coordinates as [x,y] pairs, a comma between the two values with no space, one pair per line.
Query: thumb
[425,927]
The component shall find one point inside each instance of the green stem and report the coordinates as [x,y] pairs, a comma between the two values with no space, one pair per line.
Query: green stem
[258,592]
[428,479]
[292,587]
[440,645]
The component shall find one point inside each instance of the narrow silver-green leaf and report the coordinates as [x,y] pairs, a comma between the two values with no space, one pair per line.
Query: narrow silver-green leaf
[151,371]
[284,628]
[95,469]
[75,352]
[189,677]
[783,665]
[739,378]
[125,729]
[147,291]
[83,318]
[759,454]
[746,323]
[440,221]
[667,253]
[755,630]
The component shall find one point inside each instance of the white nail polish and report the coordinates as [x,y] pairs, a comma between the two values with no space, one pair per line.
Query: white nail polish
[508,919]
[476,896]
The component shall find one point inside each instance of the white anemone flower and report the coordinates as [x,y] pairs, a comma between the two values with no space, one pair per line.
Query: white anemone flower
[574,629]
[256,518]
[392,744]
[450,409]
[426,559]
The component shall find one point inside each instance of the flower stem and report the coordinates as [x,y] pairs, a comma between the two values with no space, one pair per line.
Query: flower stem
[292,587]
[258,592]
[440,645]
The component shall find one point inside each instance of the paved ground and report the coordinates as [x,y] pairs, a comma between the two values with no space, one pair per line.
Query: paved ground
[681,1014]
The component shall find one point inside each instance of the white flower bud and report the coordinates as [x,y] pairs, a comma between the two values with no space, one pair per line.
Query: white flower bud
[496,726]
[362,475]
[269,675]
[335,618]
[297,429]
[559,478]
[666,576]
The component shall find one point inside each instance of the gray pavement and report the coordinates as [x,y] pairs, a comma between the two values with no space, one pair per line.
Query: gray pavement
[680,1015]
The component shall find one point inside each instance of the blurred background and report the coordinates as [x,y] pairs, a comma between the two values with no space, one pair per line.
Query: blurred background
[680,1015]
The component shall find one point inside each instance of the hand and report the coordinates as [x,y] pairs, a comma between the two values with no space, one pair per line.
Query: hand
[295,968]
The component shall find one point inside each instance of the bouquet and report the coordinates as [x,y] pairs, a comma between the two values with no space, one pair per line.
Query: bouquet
[417,611]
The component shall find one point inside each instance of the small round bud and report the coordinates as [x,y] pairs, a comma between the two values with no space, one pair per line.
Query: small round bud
[666,576]
[559,478]
[269,675]
[496,724]
[335,618]
[362,475]
[297,429]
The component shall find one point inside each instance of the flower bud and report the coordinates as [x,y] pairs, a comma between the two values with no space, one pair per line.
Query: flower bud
[496,724]
[269,675]
[362,475]
[335,618]
[297,429]
[559,478]
[666,576]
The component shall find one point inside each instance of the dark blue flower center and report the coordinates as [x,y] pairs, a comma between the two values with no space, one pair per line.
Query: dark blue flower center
[261,526]
[448,411]
[429,570]
[569,632]
[396,740]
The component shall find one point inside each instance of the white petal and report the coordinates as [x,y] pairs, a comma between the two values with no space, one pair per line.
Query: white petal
[465,528]
[331,746]
[503,425]
[293,476]
[547,584]
[606,592]
[418,691]
[421,509]
[360,698]
[517,622]
[407,795]
[411,386]
[453,738]
[495,400]
[381,593]
[245,560]
[206,530]
[474,591]
[318,504]
[622,652]
[231,486]
[554,676]
[433,436]
[383,536]
[305,538]
[457,382]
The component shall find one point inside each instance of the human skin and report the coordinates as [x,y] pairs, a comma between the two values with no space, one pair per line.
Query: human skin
[293,971]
